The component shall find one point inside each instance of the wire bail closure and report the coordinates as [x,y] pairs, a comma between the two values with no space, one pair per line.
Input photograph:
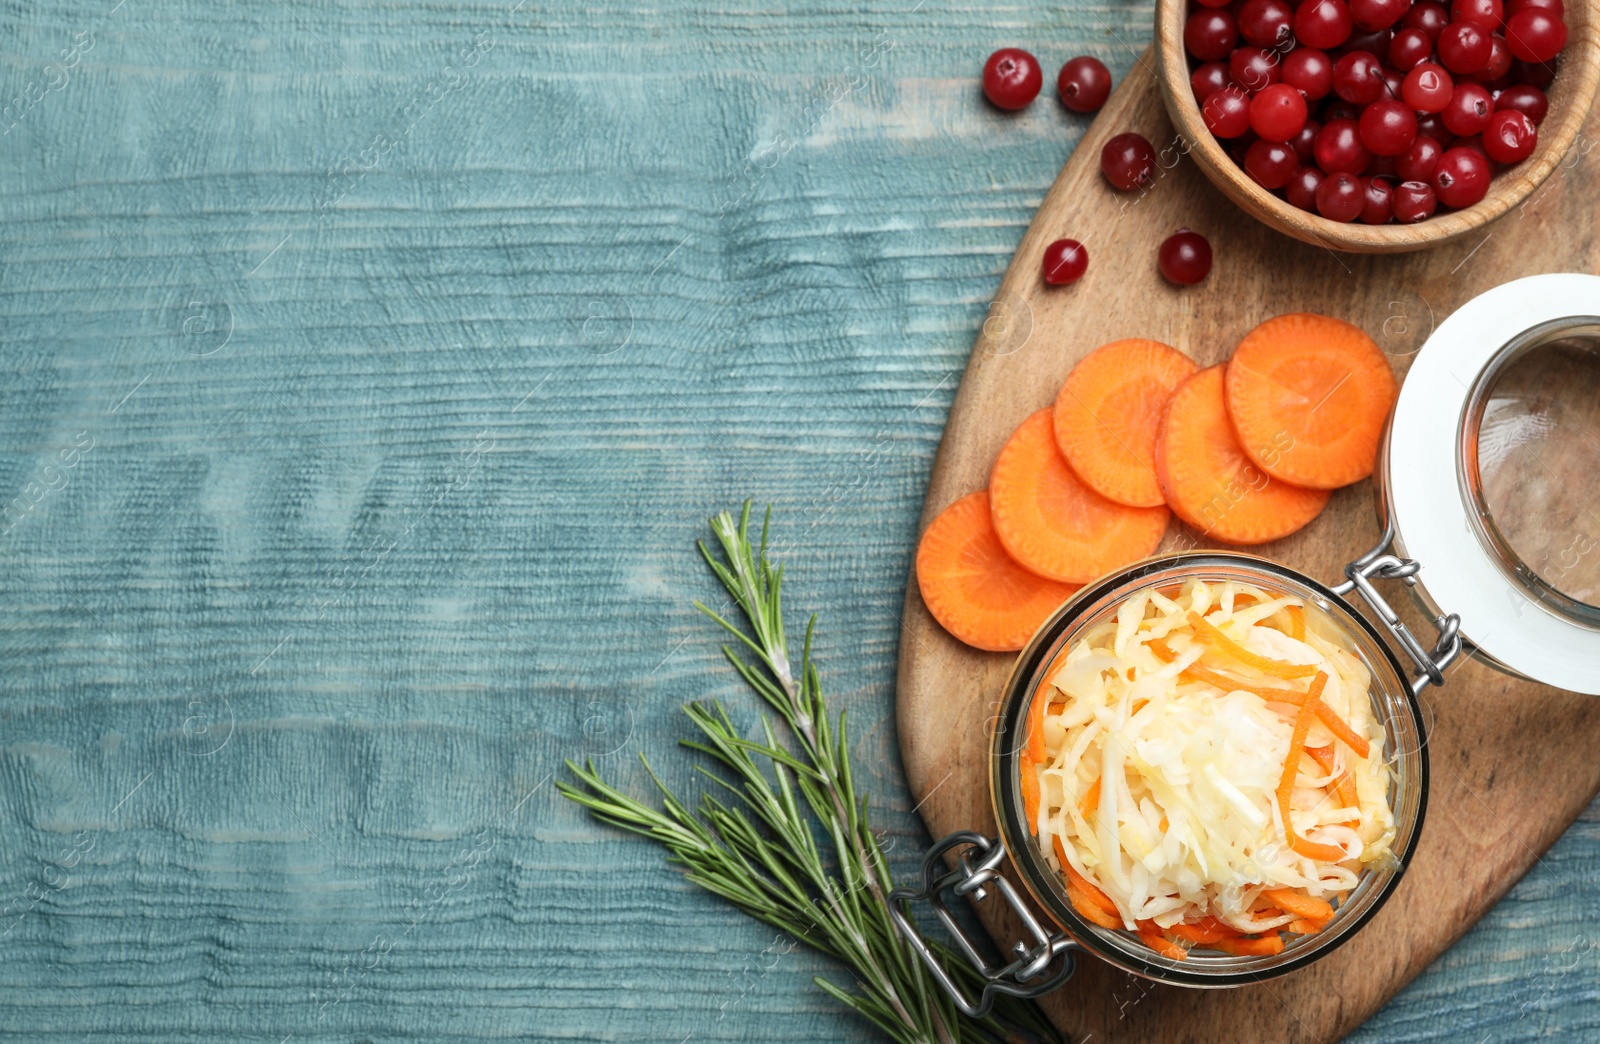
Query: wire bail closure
[969,879]
[1377,565]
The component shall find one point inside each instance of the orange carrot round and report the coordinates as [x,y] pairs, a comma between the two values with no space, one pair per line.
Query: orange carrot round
[973,588]
[1210,483]
[1309,396]
[1052,523]
[1107,413]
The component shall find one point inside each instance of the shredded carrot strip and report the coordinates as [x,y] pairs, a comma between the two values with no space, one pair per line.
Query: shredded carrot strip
[1263,946]
[1030,790]
[1208,634]
[1344,787]
[1291,765]
[1305,927]
[1150,935]
[1204,931]
[1076,880]
[1336,725]
[1162,650]
[1297,622]
[1090,800]
[1036,751]
[1305,906]
[1089,911]
[1201,673]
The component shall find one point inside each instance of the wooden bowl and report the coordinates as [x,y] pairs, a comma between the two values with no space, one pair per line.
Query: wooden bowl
[1571,94]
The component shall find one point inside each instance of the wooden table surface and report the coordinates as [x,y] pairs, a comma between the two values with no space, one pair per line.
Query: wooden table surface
[367,373]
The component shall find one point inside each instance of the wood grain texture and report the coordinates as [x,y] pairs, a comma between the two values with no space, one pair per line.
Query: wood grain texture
[591,249]
[1512,762]
[1571,96]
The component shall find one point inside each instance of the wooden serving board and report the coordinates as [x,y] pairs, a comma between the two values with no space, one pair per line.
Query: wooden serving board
[1513,762]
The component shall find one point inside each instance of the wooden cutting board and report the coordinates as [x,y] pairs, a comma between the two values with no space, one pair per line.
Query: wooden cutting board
[1513,762]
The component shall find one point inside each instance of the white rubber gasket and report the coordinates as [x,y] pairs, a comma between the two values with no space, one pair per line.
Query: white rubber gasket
[1430,510]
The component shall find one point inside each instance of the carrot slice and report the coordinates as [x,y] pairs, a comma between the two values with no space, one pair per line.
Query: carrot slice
[1036,751]
[1107,413]
[1089,911]
[1305,927]
[1091,799]
[1052,523]
[1030,790]
[1251,946]
[1205,931]
[1309,396]
[1210,483]
[973,588]
[1150,935]
[1208,634]
[1290,901]
[1353,739]
[1081,883]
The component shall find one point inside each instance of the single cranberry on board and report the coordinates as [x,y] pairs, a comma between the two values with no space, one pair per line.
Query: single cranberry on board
[1510,137]
[1462,177]
[1084,84]
[1012,78]
[1185,257]
[1065,261]
[1414,201]
[1128,161]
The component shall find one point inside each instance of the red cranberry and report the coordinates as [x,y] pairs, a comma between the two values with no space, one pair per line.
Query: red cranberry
[1497,70]
[1227,112]
[1084,84]
[1535,74]
[1011,78]
[1309,71]
[1383,167]
[1377,14]
[1535,35]
[1065,261]
[1413,201]
[1462,177]
[1339,150]
[1420,161]
[1464,48]
[1358,78]
[1128,161]
[1339,197]
[1388,127]
[1212,76]
[1487,15]
[1270,163]
[1339,109]
[1210,34]
[1408,47]
[1377,201]
[1302,188]
[1429,17]
[1427,88]
[1304,142]
[1473,142]
[1468,112]
[1510,136]
[1322,23]
[1278,113]
[1216,3]
[1253,68]
[1530,101]
[1265,23]
[1185,257]
[1555,7]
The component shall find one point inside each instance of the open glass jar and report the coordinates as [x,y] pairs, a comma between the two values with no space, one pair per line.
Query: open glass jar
[1487,476]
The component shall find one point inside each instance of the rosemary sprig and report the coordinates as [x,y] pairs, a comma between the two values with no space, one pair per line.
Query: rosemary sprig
[756,844]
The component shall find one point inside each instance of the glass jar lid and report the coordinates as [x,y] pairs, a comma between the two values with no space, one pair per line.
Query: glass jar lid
[1490,475]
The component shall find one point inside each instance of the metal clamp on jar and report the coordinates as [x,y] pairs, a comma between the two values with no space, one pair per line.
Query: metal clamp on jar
[1486,494]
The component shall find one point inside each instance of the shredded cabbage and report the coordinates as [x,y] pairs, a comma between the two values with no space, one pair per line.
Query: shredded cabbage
[1187,822]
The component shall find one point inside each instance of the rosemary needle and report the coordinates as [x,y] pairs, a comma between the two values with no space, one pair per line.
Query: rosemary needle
[754,839]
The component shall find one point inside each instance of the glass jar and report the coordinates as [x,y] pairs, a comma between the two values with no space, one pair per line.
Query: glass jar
[1481,477]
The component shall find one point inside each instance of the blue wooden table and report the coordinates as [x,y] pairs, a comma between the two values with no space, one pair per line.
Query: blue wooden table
[368,371]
